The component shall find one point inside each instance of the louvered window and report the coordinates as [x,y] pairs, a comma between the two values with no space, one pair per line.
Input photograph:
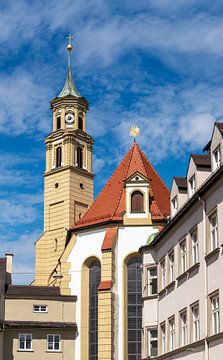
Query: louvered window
[58,156]
[79,157]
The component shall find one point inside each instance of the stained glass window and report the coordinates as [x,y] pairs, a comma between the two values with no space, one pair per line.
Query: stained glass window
[134,281]
[94,280]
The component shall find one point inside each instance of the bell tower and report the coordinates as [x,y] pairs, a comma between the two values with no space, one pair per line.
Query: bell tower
[68,179]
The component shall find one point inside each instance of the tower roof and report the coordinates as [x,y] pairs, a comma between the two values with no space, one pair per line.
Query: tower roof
[69,86]
[110,205]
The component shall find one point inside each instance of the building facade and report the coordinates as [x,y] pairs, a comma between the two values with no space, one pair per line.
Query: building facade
[182,266]
[36,322]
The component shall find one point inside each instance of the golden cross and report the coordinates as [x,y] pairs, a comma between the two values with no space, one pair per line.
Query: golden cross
[70,37]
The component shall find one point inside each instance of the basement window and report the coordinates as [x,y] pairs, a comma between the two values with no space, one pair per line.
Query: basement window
[40,308]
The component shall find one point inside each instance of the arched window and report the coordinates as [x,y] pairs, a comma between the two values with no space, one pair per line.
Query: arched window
[58,156]
[134,304]
[94,280]
[79,157]
[137,202]
[80,122]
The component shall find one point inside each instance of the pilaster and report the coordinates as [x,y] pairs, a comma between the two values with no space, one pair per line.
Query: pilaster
[106,297]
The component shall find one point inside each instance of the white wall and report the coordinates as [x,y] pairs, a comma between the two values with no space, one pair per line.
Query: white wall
[88,244]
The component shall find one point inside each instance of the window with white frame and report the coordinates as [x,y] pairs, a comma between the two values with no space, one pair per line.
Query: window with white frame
[172,333]
[152,281]
[152,342]
[53,342]
[163,337]
[40,308]
[183,323]
[192,185]
[183,255]
[171,266]
[174,205]
[215,312]
[213,230]
[217,157]
[194,240]
[25,342]
[195,322]
[163,273]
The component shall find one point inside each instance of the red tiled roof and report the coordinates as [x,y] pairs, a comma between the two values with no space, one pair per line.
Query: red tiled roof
[109,240]
[110,204]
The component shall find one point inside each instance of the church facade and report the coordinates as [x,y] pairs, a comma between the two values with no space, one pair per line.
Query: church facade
[90,248]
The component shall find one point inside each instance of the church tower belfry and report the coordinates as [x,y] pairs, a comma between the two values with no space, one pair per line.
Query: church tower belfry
[68,179]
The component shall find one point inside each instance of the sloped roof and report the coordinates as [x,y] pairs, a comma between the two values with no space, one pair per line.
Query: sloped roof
[28,291]
[181,182]
[203,160]
[110,204]
[219,126]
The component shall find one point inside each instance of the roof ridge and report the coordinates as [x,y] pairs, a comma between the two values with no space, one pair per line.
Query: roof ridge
[122,188]
[145,159]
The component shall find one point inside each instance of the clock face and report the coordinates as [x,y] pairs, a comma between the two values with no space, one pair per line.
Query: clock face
[69,118]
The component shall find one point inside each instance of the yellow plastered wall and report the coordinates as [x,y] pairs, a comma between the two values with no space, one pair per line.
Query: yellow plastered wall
[62,193]
[106,300]
[105,325]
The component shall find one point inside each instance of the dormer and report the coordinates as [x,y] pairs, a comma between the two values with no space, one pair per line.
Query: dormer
[199,170]
[137,200]
[178,195]
[216,146]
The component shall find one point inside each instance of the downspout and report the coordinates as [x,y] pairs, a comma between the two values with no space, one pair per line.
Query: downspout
[206,347]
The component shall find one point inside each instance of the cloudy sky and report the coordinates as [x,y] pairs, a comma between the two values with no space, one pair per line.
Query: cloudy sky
[156,63]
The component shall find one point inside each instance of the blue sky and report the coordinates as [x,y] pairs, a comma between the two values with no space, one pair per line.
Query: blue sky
[157,63]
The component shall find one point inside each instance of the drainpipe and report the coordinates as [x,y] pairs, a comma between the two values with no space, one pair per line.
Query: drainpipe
[206,348]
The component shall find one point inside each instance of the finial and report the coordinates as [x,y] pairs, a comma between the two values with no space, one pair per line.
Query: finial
[134,131]
[69,86]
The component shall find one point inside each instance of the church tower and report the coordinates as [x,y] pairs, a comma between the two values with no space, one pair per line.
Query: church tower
[68,179]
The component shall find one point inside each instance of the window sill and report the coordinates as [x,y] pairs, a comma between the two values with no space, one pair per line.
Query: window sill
[182,276]
[215,337]
[137,212]
[148,297]
[161,292]
[53,351]
[170,285]
[21,350]
[212,253]
[193,267]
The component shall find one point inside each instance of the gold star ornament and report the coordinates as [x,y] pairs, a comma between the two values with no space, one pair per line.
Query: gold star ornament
[134,131]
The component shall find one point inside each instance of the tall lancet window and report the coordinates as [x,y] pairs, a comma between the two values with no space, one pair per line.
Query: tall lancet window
[58,156]
[79,157]
[137,202]
[134,303]
[94,280]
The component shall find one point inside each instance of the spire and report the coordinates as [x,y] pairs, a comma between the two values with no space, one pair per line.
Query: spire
[69,86]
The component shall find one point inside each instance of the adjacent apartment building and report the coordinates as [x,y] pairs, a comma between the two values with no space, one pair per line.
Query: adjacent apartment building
[182,266]
[36,322]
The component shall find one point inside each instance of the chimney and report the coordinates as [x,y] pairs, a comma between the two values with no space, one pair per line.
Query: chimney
[9,258]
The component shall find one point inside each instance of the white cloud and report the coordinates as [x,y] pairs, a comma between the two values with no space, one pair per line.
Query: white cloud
[23,106]
[14,172]
[14,213]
